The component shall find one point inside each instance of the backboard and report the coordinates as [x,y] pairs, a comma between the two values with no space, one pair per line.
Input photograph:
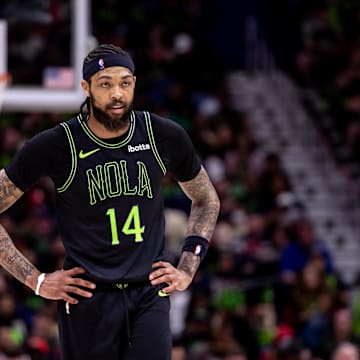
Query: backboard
[47,95]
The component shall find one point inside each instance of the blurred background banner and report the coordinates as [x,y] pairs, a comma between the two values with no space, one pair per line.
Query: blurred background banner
[269,94]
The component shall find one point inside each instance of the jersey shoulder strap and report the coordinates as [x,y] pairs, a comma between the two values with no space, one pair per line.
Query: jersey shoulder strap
[154,149]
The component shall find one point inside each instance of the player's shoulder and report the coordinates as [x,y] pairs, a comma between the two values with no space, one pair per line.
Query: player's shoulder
[162,126]
[54,136]
[71,122]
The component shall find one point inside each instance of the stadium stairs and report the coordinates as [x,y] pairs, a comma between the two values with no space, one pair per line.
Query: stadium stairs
[281,124]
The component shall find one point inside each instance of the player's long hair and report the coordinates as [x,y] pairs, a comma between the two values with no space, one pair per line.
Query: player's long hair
[98,52]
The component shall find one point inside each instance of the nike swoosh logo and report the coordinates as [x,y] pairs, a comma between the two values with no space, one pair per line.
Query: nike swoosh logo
[83,155]
[163,294]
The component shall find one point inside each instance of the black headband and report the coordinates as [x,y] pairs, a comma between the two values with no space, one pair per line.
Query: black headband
[107,61]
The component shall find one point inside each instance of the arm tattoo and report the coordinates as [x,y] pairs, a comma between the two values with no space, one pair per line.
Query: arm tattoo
[205,205]
[9,193]
[12,260]
[189,263]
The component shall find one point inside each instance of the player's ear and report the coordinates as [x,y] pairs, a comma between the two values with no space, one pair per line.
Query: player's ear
[86,87]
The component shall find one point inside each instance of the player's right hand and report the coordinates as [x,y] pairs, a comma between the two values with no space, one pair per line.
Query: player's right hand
[61,284]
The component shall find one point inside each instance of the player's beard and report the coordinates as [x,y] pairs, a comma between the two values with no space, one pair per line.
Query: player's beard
[111,123]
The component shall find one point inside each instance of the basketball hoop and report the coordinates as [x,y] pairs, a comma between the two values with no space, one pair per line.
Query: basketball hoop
[5,79]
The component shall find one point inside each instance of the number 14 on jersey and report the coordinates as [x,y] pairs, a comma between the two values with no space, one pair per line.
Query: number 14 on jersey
[132,225]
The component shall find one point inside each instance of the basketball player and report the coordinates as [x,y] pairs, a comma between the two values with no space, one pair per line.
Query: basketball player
[107,164]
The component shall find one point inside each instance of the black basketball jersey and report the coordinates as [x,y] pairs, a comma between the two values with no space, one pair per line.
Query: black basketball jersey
[110,210]
[109,204]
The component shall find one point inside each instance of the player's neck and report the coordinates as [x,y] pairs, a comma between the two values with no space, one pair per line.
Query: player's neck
[102,132]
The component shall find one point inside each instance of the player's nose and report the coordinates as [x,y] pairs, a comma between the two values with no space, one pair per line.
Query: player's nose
[117,93]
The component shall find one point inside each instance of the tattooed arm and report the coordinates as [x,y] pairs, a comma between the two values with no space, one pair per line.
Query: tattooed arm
[56,285]
[205,205]
[9,193]
[10,257]
[15,263]
[204,212]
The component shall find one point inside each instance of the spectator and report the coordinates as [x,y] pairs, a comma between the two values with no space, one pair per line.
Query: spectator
[300,251]
[346,351]
[338,333]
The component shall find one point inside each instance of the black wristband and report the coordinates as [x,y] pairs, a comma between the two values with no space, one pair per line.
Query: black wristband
[196,245]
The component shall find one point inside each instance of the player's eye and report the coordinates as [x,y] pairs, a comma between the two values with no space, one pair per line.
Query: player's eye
[105,84]
[126,84]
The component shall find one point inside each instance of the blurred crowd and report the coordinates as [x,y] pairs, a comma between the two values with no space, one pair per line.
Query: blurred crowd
[268,289]
[329,61]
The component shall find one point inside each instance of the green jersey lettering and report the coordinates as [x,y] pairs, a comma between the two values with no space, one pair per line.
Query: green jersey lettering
[112,176]
[134,219]
[132,225]
[95,184]
[112,180]
[144,180]
[125,179]
[113,227]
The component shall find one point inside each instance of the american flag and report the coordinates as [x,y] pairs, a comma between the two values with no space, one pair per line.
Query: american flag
[58,78]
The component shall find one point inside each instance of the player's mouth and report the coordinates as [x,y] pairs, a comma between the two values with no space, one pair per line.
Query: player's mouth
[117,109]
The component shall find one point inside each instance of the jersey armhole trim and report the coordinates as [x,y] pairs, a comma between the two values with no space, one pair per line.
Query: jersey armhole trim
[73,159]
[152,142]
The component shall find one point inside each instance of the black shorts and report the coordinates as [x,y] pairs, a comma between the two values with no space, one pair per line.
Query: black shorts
[125,323]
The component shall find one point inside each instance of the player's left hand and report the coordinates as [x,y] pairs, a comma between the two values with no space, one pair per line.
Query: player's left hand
[166,273]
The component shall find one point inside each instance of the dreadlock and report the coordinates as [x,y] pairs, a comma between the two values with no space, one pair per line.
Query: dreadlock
[98,52]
